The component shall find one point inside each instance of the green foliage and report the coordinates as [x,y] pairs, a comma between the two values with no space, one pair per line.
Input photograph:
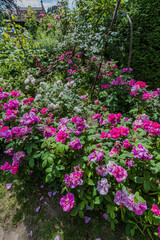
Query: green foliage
[145,55]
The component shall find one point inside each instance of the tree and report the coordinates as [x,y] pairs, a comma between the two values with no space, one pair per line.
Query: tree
[7,4]
[52,9]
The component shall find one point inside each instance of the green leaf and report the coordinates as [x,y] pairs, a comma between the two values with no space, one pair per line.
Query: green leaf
[81,214]
[74,212]
[44,164]
[90,182]
[50,160]
[31,163]
[147,186]
[97,200]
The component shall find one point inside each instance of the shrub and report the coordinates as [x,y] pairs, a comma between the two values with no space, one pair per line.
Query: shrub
[108,164]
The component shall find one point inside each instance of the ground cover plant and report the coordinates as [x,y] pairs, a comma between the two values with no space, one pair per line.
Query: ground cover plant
[78,123]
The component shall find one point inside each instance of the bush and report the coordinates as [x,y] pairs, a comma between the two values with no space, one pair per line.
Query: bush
[106,162]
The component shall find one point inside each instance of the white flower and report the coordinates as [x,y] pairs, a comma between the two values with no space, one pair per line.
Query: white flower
[61,94]
[78,110]
[41,90]
[27,87]
[42,83]
[47,87]
[33,81]
[37,97]
[27,81]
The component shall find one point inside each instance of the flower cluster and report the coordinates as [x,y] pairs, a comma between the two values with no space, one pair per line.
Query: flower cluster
[141,153]
[96,156]
[122,198]
[117,171]
[75,144]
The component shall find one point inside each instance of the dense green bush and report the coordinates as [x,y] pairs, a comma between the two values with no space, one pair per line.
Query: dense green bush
[145,15]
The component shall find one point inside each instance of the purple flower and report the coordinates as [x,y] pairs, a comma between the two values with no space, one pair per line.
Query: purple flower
[105,215]
[102,170]
[49,194]
[96,156]
[75,144]
[141,153]
[87,207]
[41,198]
[103,186]
[129,162]
[30,234]
[37,209]
[8,186]
[9,151]
[87,219]
[57,238]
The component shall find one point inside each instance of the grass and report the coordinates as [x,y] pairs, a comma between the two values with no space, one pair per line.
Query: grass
[51,220]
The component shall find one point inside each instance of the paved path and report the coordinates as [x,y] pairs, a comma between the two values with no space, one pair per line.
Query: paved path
[19,233]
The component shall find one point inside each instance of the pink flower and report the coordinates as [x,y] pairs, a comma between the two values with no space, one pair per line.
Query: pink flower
[140,84]
[73,180]
[44,110]
[84,96]
[159,230]
[97,116]
[155,210]
[5,167]
[49,25]
[96,102]
[115,132]
[15,93]
[105,86]
[124,131]
[126,144]
[110,74]
[67,202]
[104,134]
[61,136]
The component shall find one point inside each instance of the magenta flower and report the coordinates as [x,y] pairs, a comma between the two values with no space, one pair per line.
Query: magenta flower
[6,166]
[75,144]
[84,96]
[126,144]
[155,210]
[61,136]
[67,202]
[73,180]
